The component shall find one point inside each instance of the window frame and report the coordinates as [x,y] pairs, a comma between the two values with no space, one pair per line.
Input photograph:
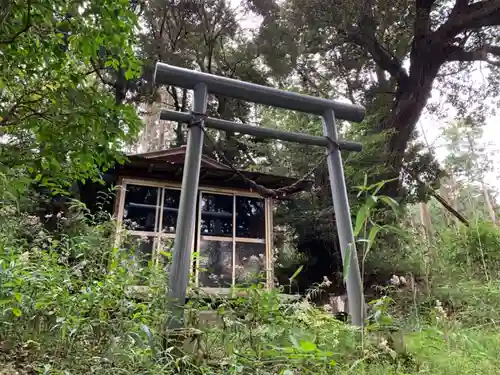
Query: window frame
[156,234]
[197,237]
[233,239]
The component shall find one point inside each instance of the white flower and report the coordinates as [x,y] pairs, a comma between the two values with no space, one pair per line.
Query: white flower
[32,220]
[7,210]
[131,224]
[395,280]
[383,344]
[25,257]
[326,282]
[59,215]
[440,311]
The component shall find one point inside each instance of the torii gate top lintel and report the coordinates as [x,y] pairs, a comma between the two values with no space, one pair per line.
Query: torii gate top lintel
[188,79]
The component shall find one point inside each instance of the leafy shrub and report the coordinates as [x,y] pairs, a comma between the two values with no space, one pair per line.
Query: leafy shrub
[62,297]
[66,307]
[471,303]
[472,251]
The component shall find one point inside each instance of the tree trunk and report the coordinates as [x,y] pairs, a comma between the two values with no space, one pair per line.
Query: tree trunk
[443,190]
[425,218]
[453,192]
[411,100]
[489,204]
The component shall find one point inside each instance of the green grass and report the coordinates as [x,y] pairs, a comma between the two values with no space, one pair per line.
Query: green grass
[64,310]
[461,351]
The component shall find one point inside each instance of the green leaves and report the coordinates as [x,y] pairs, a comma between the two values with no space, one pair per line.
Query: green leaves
[361,217]
[308,346]
[294,342]
[17,312]
[60,121]
[296,273]
[366,229]
[390,202]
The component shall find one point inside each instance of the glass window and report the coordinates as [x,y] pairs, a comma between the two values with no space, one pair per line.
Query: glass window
[250,217]
[216,264]
[231,228]
[216,215]
[239,243]
[250,261]
[139,212]
[170,210]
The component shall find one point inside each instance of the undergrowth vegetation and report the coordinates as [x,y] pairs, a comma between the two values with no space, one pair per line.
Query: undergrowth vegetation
[66,307]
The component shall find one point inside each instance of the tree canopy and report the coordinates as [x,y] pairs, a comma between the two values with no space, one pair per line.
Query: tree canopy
[386,55]
[205,36]
[58,121]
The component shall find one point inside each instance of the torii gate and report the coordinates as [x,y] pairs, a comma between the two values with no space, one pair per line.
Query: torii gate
[329,110]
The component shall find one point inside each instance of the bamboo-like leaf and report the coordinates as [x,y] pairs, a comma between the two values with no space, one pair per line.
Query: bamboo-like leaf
[149,335]
[294,341]
[390,202]
[361,217]
[17,312]
[296,273]
[371,239]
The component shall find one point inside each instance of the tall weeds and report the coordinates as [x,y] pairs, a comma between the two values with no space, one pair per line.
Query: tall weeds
[66,308]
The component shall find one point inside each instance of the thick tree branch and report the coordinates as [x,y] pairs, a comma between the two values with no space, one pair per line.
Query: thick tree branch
[97,70]
[119,85]
[32,113]
[481,14]
[459,6]
[184,100]
[466,17]
[173,93]
[364,36]
[380,54]
[422,25]
[163,21]
[26,27]
[485,53]
[8,115]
